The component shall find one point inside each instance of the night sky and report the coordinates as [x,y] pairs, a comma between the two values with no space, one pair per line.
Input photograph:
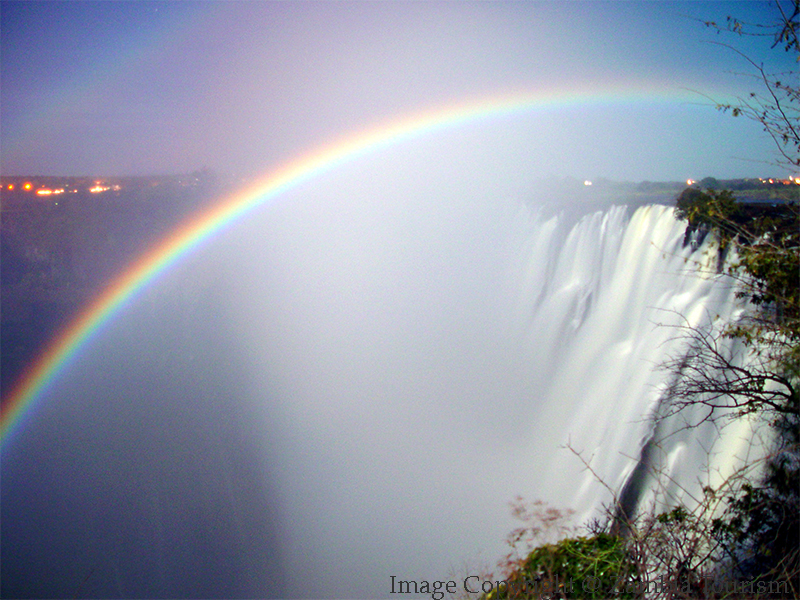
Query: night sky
[127,88]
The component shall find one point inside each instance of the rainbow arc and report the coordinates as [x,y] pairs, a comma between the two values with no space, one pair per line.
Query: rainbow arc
[20,402]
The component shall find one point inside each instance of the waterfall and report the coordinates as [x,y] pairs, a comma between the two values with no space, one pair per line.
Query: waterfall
[341,408]
[612,296]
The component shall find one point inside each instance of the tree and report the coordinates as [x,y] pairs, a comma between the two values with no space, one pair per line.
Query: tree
[777,106]
[760,376]
[760,245]
[705,209]
[759,249]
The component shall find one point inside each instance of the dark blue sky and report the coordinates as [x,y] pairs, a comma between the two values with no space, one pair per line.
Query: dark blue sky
[153,87]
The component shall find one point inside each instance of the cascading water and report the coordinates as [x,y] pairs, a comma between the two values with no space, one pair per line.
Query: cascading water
[614,297]
[342,407]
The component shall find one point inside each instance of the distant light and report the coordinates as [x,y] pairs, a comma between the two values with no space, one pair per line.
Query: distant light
[44,192]
[10,186]
[690,182]
[587,182]
[27,186]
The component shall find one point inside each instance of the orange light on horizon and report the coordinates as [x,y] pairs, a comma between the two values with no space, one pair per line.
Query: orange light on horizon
[10,186]
[27,186]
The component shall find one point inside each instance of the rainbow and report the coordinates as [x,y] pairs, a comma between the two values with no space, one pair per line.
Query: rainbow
[182,241]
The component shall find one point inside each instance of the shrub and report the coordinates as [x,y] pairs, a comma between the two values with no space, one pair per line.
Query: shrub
[594,567]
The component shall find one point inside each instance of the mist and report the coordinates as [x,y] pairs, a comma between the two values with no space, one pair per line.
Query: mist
[353,382]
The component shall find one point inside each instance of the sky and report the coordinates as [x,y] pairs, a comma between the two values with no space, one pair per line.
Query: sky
[136,88]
